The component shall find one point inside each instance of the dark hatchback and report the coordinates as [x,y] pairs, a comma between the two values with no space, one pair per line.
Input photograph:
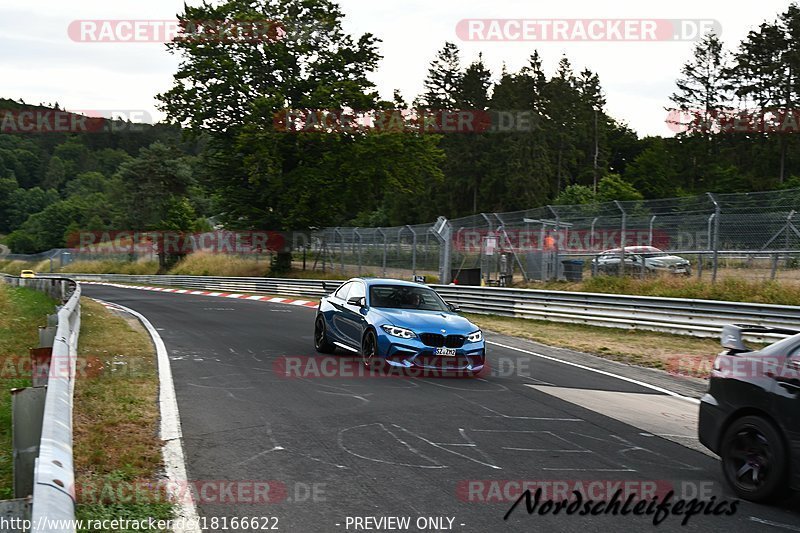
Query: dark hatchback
[750,415]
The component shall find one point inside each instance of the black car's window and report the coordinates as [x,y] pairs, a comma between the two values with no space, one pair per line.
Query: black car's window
[343,290]
[357,291]
[782,347]
[405,297]
[794,356]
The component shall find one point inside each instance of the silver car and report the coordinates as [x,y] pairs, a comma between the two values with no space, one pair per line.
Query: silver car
[649,258]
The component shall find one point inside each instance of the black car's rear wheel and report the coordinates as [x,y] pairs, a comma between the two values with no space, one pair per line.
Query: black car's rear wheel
[754,459]
[321,342]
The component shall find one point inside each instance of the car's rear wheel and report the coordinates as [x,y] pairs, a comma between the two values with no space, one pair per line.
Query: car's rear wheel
[754,459]
[321,342]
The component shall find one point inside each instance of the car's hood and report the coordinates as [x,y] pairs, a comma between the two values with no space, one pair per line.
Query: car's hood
[668,260]
[426,321]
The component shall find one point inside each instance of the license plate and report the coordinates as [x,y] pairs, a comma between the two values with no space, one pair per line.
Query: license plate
[680,270]
[450,352]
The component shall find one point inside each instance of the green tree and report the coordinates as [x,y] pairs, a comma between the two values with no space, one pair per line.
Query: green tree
[444,81]
[150,184]
[613,187]
[653,172]
[575,195]
[703,85]
[767,72]
[266,178]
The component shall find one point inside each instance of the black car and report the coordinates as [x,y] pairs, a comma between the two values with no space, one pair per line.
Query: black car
[750,415]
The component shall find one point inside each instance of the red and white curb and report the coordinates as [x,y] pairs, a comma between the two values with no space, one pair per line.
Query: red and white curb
[270,299]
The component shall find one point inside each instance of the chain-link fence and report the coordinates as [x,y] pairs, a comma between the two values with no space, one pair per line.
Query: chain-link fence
[750,235]
[744,235]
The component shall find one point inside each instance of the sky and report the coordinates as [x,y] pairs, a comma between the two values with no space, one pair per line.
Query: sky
[39,62]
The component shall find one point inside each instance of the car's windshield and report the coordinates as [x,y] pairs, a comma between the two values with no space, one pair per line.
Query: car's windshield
[405,297]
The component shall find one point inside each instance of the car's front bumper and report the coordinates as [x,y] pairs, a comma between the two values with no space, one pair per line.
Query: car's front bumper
[414,354]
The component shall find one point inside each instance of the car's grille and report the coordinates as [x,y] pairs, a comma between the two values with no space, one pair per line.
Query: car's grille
[441,362]
[437,340]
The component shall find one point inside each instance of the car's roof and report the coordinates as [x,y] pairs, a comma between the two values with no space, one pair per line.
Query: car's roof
[387,281]
[636,249]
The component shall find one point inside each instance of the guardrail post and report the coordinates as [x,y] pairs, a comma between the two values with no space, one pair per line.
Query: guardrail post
[622,238]
[27,413]
[715,248]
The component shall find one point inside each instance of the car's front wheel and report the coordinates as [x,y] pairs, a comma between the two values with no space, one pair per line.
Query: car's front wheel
[369,350]
[754,459]
[321,342]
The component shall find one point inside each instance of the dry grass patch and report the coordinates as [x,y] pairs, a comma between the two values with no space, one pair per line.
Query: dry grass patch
[676,353]
[112,266]
[205,264]
[15,267]
[733,289]
[116,418]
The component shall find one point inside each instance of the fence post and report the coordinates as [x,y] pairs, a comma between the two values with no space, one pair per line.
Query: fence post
[357,234]
[556,264]
[622,238]
[379,230]
[443,231]
[337,233]
[413,250]
[650,236]
[715,245]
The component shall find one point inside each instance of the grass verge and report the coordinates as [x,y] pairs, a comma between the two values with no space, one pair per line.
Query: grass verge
[21,312]
[729,288]
[675,353]
[116,446]
[14,267]
[111,266]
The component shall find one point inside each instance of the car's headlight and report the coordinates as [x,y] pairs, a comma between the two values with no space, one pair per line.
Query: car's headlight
[394,331]
[475,336]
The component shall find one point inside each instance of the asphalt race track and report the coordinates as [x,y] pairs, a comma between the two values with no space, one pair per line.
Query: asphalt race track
[337,448]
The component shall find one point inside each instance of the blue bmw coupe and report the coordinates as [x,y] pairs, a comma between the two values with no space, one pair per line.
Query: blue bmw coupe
[398,324]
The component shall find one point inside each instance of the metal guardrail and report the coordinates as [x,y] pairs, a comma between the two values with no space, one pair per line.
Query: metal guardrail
[702,318]
[44,477]
[309,288]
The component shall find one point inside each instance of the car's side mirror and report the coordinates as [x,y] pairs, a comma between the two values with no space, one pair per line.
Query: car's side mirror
[454,307]
[358,301]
